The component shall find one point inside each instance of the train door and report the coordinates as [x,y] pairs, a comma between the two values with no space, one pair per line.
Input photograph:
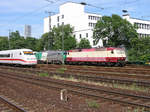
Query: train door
[19,56]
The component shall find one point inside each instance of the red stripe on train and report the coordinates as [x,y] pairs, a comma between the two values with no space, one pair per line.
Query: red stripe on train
[96,59]
[18,60]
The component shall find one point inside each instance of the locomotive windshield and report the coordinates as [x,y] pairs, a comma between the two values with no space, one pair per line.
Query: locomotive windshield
[28,53]
[120,52]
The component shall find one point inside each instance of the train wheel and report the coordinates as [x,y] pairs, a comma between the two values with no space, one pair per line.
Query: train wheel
[109,64]
[119,64]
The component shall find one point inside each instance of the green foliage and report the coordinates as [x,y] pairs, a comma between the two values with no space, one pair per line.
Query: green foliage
[64,32]
[84,43]
[46,41]
[92,104]
[115,30]
[31,43]
[58,35]
[70,43]
[140,50]
[62,70]
[4,45]
[16,41]
[43,74]
[40,45]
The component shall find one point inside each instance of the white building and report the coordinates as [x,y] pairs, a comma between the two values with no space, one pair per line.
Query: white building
[27,31]
[74,14]
[142,25]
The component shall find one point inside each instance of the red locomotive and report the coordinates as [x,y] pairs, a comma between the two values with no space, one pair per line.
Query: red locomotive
[100,56]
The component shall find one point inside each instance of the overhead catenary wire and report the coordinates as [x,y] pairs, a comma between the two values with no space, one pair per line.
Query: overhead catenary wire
[11,22]
[34,11]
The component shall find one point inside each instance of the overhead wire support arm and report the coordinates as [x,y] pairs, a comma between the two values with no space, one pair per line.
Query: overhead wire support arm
[49,38]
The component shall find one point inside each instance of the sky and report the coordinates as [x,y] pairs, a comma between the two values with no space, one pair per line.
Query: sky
[14,14]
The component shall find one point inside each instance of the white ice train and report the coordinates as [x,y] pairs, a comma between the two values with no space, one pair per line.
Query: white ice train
[18,57]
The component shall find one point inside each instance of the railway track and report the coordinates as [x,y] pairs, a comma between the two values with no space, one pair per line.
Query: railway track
[101,73]
[7,106]
[115,71]
[128,69]
[128,99]
[105,77]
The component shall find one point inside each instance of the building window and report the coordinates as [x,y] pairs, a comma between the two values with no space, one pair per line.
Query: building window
[98,18]
[89,24]
[62,23]
[148,27]
[93,17]
[62,16]
[58,19]
[80,36]
[57,24]
[92,24]
[142,26]
[86,34]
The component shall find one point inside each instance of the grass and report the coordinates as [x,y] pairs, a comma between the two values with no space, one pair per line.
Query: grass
[114,85]
[137,110]
[73,79]
[133,87]
[61,78]
[61,70]
[43,74]
[92,103]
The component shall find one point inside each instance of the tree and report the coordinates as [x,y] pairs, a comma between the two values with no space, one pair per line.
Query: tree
[63,36]
[140,50]
[31,43]
[84,43]
[4,45]
[16,41]
[118,31]
[39,45]
[59,37]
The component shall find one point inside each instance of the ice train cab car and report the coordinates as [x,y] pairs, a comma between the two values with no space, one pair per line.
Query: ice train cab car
[100,56]
[18,56]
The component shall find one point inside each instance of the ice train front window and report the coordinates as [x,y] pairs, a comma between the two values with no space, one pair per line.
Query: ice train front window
[28,53]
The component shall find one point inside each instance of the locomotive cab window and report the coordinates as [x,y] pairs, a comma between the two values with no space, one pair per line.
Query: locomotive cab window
[65,53]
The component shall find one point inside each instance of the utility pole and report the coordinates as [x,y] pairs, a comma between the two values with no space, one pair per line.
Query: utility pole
[49,37]
[63,42]
[62,37]
[51,40]
[9,31]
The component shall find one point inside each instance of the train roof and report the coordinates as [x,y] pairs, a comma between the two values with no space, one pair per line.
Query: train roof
[95,49]
[16,50]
